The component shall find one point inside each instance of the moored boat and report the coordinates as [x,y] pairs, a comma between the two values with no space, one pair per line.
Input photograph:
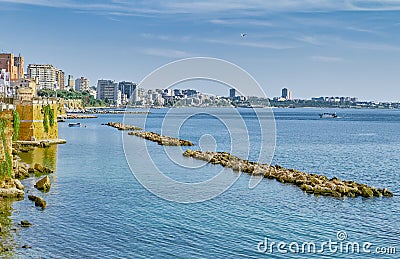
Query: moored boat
[328,115]
[76,124]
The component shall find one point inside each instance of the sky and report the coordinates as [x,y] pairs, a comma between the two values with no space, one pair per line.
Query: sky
[313,47]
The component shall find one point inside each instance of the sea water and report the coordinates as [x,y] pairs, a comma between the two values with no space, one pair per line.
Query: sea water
[98,209]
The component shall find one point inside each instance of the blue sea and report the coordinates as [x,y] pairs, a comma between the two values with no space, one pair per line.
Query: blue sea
[98,209]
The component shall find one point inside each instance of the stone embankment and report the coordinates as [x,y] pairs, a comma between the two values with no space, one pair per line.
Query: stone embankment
[20,145]
[12,188]
[106,111]
[80,116]
[161,140]
[121,126]
[310,183]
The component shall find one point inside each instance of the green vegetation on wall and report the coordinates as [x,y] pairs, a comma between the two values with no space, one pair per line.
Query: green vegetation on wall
[48,118]
[5,166]
[51,117]
[16,123]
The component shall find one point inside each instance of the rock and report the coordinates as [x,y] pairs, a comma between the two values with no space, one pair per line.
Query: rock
[161,140]
[11,193]
[26,246]
[336,194]
[43,184]
[21,173]
[121,126]
[18,185]
[317,190]
[307,188]
[39,167]
[325,191]
[41,170]
[387,193]
[367,192]
[44,144]
[39,202]
[25,224]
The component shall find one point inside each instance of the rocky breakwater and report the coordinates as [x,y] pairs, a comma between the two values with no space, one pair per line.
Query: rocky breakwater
[161,140]
[310,183]
[121,126]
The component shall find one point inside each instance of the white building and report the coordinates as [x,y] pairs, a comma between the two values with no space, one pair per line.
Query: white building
[44,74]
[82,84]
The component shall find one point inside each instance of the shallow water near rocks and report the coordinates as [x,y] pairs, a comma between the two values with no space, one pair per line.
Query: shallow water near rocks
[96,207]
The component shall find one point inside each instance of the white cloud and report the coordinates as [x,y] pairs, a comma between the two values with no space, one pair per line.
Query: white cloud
[245,43]
[309,39]
[152,36]
[327,59]
[211,6]
[242,22]
[167,53]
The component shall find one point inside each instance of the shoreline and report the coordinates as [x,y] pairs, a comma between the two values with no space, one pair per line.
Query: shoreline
[12,191]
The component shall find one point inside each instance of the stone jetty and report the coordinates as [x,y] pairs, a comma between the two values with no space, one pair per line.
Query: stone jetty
[309,183]
[161,140]
[121,126]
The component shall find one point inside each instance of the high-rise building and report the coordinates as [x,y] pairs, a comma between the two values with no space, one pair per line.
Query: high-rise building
[70,82]
[232,93]
[130,90]
[60,79]
[45,75]
[107,90]
[13,65]
[286,94]
[82,84]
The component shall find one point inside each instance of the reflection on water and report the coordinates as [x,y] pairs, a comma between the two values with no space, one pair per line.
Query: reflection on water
[44,156]
[6,238]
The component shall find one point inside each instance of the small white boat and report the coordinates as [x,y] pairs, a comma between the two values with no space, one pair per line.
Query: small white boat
[328,115]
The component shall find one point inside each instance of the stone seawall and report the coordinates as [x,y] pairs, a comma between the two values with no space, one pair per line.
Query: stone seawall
[38,119]
[310,183]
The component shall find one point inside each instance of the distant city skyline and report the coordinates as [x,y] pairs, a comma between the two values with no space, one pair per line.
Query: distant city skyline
[314,48]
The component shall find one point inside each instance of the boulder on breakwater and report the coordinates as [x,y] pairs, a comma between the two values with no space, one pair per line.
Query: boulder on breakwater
[121,126]
[25,224]
[309,183]
[161,140]
[39,202]
[43,184]
[39,170]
